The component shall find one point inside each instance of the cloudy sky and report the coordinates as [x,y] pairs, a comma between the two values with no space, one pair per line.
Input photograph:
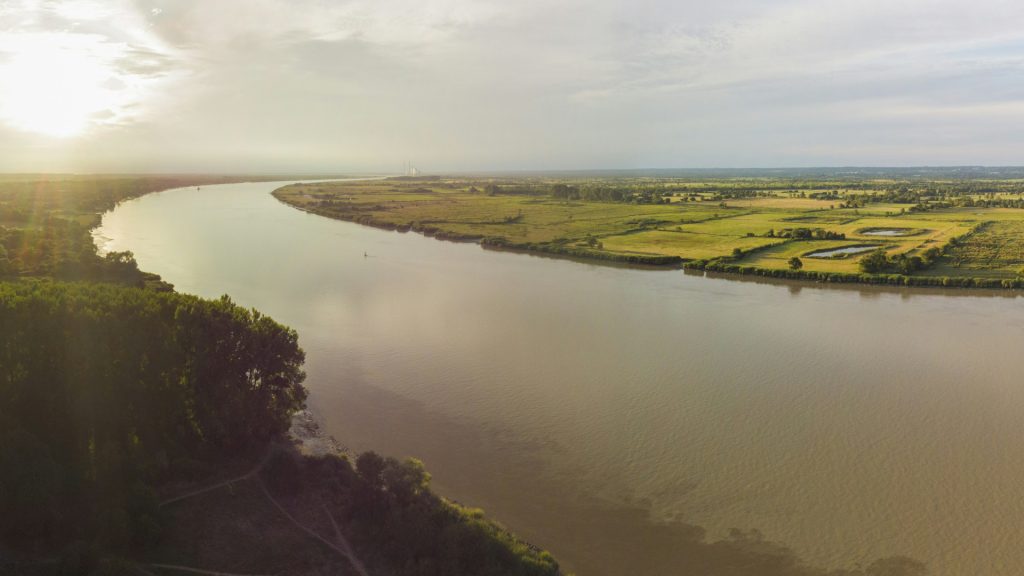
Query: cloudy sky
[364,85]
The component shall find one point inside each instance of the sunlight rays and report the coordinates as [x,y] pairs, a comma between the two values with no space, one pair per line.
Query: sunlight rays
[93,69]
[54,89]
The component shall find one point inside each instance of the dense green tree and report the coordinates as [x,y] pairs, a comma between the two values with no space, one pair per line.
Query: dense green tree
[105,387]
[874,262]
[931,255]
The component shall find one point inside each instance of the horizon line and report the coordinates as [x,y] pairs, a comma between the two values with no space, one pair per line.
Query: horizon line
[484,171]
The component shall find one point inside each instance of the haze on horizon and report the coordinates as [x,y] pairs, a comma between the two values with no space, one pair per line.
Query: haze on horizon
[364,85]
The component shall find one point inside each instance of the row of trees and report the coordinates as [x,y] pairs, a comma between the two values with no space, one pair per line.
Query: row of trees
[598,192]
[807,234]
[849,193]
[878,261]
[925,197]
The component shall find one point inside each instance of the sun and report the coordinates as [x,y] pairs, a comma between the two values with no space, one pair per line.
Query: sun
[55,88]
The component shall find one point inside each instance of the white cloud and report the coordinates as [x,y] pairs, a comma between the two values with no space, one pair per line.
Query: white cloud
[333,84]
[68,67]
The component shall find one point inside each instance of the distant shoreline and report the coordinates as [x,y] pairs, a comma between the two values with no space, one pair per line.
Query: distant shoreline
[723,267]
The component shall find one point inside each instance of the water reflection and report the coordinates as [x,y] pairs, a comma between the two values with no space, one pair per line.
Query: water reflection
[628,419]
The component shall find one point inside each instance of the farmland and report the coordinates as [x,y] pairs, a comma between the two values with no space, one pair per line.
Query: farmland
[927,230]
[996,249]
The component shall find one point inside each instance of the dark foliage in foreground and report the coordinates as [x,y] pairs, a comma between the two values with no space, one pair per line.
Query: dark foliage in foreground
[398,525]
[106,390]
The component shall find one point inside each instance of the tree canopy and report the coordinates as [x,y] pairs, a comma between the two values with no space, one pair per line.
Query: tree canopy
[106,389]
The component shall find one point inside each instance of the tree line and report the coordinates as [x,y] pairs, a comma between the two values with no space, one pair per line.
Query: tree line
[109,390]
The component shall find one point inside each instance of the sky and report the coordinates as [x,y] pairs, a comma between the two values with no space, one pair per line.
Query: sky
[367,85]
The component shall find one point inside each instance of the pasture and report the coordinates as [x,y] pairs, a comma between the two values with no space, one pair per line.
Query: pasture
[764,225]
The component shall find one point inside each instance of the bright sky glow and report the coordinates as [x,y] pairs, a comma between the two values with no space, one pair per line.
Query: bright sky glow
[350,85]
[54,89]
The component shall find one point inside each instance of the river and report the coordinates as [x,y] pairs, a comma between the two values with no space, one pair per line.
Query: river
[624,418]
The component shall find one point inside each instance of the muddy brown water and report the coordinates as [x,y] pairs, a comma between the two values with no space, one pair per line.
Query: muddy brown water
[628,419]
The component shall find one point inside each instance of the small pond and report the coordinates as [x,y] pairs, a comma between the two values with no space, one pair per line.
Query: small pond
[889,232]
[844,251]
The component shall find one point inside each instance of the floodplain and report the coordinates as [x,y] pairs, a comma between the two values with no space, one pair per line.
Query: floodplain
[968,231]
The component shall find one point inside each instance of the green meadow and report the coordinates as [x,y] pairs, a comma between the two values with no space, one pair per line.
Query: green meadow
[925,229]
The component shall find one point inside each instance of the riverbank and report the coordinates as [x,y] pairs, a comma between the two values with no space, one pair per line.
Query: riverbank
[248,533]
[499,243]
[586,406]
[930,250]
[894,280]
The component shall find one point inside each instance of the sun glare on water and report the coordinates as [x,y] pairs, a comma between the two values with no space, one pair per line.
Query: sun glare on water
[56,88]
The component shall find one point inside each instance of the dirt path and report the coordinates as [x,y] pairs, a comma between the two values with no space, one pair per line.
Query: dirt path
[344,544]
[343,548]
[259,466]
[196,570]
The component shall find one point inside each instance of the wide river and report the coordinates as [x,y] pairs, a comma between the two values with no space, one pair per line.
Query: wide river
[627,419]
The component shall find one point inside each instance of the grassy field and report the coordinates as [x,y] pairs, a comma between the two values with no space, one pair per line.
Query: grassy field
[995,250]
[754,224]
